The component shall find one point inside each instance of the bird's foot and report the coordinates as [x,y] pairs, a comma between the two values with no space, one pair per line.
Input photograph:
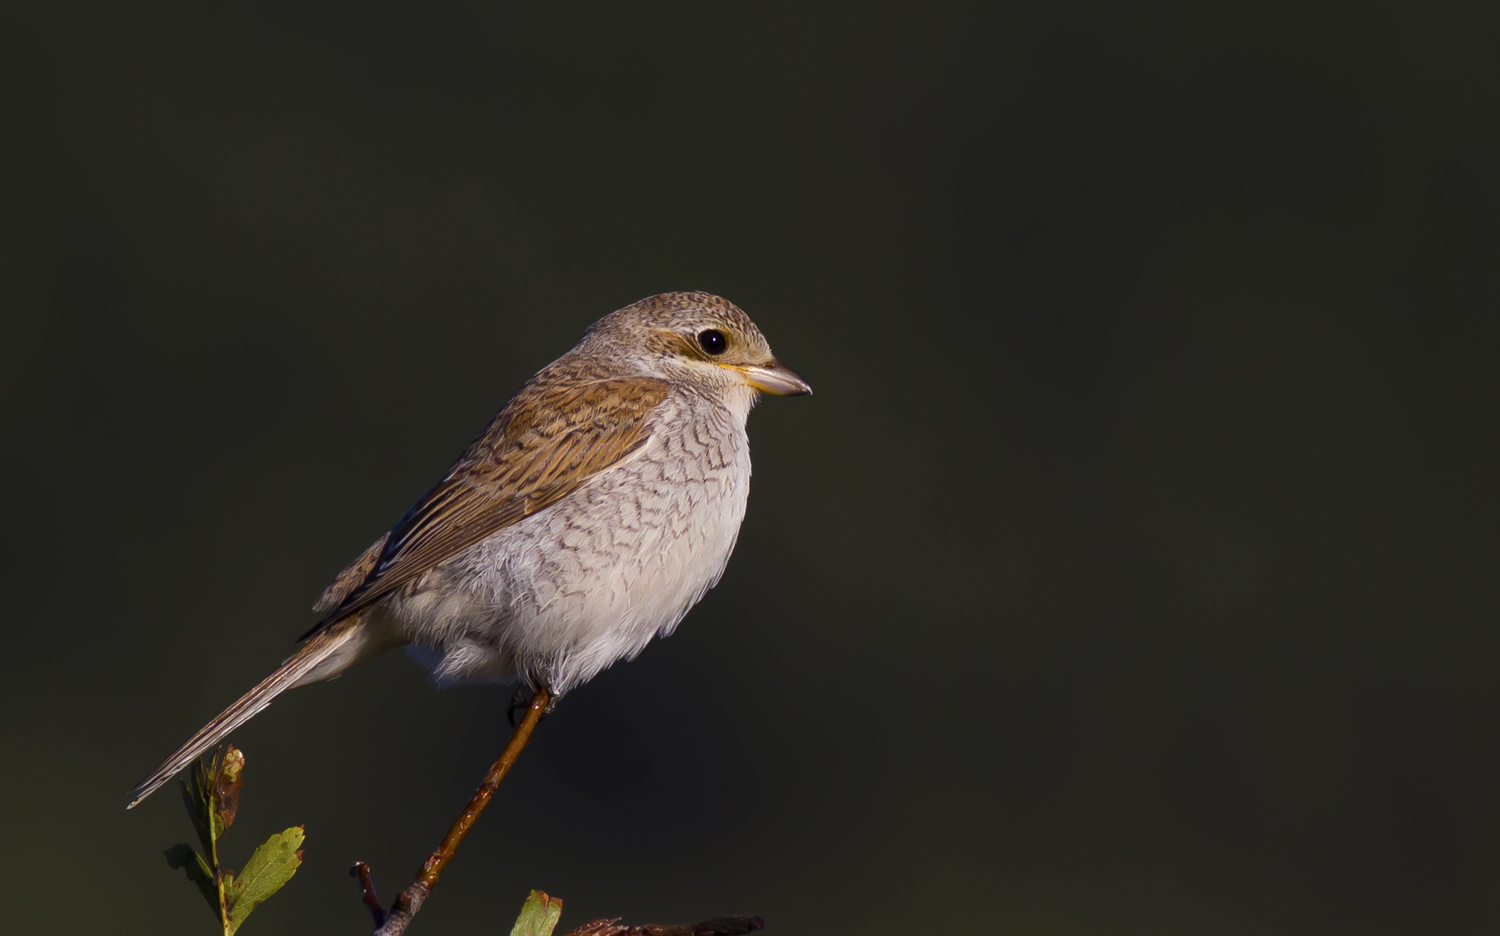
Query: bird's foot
[521,701]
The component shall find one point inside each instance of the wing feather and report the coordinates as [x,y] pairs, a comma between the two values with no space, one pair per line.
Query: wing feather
[544,445]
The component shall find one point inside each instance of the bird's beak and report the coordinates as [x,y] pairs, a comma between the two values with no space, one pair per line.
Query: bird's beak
[774,378]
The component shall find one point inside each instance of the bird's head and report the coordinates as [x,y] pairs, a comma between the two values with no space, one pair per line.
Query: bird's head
[701,339]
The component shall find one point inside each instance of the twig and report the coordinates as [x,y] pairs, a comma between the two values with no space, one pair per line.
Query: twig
[409,901]
[367,892]
[718,926]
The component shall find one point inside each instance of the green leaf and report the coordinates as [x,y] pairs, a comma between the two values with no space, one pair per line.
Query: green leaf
[539,915]
[182,856]
[198,808]
[272,865]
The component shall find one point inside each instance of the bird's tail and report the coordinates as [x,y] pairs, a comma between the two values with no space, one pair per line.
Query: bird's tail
[326,655]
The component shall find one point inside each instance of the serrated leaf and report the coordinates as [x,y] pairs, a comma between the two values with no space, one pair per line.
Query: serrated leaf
[272,865]
[182,856]
[228,776]
[539,915]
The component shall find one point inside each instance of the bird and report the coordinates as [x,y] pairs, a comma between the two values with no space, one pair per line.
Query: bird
[590,515]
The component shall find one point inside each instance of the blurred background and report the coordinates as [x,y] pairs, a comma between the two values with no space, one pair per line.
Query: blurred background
[1133,569]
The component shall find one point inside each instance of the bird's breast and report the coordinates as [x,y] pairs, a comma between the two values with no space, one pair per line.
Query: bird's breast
[563,594]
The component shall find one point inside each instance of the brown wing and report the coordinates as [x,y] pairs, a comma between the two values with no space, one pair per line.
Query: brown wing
[546,443]
[352,577]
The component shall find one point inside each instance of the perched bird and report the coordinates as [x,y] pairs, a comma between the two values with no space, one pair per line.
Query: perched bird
[590,515]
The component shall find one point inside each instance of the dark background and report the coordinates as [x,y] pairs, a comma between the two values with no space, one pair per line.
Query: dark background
[1131,571]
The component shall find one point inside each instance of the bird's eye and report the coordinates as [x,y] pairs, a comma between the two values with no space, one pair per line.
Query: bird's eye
[712,340]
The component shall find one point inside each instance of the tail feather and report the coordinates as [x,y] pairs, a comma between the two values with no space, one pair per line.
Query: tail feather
[302,667]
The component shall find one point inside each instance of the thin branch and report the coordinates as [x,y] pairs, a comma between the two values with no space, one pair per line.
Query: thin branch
[718,926]
[438,860]
[367,892]
[409,901]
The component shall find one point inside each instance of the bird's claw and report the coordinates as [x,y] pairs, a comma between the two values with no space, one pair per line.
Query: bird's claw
[521,701]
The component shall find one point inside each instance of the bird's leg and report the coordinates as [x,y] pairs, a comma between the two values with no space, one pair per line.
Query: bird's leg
[410,900]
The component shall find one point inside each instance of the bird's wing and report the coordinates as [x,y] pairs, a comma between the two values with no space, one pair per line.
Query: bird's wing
[351,578]
[544,445]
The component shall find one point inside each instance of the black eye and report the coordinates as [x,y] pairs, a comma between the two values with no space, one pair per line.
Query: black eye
[712,340]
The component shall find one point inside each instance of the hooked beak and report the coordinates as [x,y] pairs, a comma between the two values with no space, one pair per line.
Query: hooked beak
[774,378]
